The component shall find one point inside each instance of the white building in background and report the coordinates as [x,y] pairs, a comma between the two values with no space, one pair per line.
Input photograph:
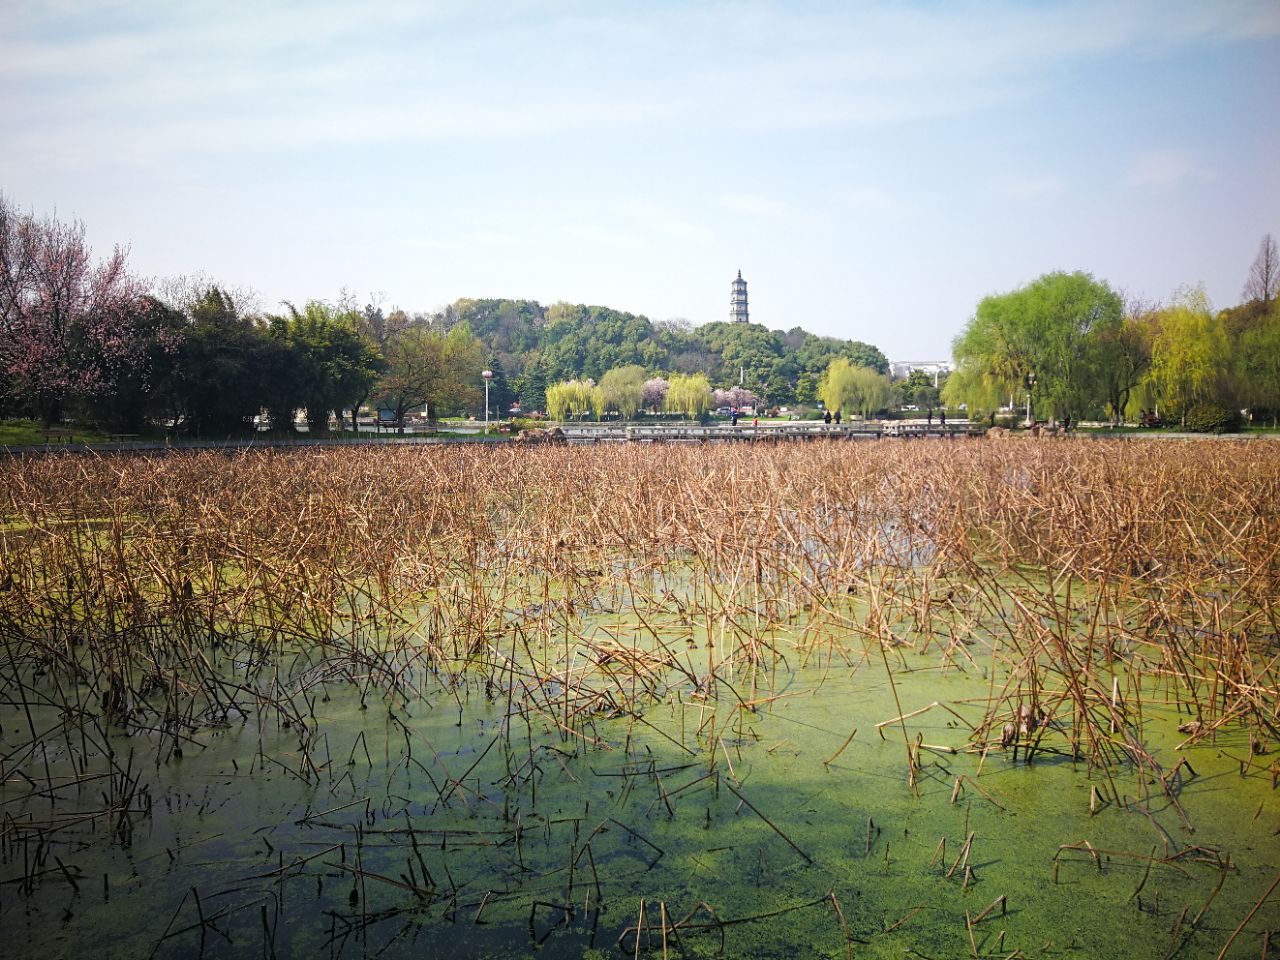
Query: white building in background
[899,369]
[738,301]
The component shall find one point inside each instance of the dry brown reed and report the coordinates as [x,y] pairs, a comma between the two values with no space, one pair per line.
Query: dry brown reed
[170,594]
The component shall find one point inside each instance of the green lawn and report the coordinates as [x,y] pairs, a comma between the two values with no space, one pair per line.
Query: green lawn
[16,433]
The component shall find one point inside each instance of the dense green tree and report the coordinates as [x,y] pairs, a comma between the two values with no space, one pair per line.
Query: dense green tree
[1257,363]
[587,341]
[575,341]
[509,328]
[1042,331]
[920,390]
[501,393]
[1121,360]
[429,367]
[461,389]
[777,391]
[531,388]
[807,388]
[928,399]
[221,372]
[332,363]
[379,328]
[812,354]
[281,391]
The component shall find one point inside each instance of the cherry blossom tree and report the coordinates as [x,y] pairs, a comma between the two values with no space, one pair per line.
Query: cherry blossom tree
[655,393]
[736,397]
[68,326]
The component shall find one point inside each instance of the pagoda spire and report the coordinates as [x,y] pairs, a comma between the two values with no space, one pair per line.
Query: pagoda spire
[738,312]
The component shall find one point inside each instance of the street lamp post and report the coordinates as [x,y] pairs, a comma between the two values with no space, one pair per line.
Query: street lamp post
[1031,382]
[488,376]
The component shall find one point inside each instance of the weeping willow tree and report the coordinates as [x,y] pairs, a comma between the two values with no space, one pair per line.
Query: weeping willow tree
[622,389]
[689,394]
[992,362]
[572,398]
[853,388]
[1043,335]
[1189,353]
[979,387]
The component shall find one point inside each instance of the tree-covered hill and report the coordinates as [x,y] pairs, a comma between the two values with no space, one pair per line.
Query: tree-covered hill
[531,346]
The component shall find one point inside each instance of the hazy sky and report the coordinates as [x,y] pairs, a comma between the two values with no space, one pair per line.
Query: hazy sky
[874,169]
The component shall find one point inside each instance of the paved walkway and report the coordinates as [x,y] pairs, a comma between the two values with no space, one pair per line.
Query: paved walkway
[595,433]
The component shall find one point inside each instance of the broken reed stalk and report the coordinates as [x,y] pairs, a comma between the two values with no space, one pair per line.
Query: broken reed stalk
[772,826]
[1248,916]
[1000,902]
[844,926]
[848,740]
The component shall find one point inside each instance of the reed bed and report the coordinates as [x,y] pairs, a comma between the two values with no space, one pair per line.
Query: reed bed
[603,602]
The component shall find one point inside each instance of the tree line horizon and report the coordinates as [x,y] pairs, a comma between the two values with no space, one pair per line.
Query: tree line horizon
[1079,348]
[90,341]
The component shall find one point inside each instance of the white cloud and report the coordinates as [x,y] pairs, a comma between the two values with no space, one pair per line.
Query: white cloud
[199,77]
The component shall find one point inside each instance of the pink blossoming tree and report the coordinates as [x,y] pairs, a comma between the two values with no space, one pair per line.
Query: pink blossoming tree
[68,326]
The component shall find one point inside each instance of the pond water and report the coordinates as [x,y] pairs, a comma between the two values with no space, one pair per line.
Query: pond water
[454,822]
[567,704]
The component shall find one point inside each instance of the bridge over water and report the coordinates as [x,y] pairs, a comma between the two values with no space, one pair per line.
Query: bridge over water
[768,430]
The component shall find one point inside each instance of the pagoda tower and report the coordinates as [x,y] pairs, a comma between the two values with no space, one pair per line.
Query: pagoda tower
[738,301]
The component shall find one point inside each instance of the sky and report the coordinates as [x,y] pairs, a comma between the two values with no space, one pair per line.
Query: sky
[874,169]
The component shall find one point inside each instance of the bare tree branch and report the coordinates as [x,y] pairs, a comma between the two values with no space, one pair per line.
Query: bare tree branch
[1264,275]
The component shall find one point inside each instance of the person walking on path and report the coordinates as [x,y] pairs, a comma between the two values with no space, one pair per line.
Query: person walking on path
[837,418]
[826,416]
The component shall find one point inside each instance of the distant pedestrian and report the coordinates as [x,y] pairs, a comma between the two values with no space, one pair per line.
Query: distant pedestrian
[826,416]
[929,417]
[837,417]
[942,418]
[734,418]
